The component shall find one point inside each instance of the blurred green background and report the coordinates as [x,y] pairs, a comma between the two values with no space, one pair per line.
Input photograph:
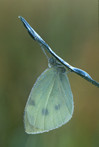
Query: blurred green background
[70,27]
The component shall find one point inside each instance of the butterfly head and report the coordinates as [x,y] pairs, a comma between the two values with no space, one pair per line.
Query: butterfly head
[52,62]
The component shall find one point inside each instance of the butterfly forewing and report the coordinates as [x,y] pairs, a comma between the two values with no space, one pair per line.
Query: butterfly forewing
[50,103]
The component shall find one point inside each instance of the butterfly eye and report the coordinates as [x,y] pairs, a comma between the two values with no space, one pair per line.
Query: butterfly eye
[52,61]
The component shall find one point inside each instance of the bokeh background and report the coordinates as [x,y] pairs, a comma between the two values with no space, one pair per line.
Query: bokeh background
[70,27]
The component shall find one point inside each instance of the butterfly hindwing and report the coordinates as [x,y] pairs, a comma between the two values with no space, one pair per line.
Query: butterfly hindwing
[50,103]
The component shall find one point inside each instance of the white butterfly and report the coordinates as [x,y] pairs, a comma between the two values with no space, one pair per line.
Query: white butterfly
[50,103]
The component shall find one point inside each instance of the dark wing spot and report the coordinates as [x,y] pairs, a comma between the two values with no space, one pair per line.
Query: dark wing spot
[45,111]
[57,107]
[32,102]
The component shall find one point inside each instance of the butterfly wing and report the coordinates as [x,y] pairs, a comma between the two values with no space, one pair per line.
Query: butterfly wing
[50,103]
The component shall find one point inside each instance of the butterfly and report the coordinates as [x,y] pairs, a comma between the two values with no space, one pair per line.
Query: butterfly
[50,103]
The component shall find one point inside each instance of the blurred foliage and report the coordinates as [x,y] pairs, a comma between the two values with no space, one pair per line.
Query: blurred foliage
[71,29]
